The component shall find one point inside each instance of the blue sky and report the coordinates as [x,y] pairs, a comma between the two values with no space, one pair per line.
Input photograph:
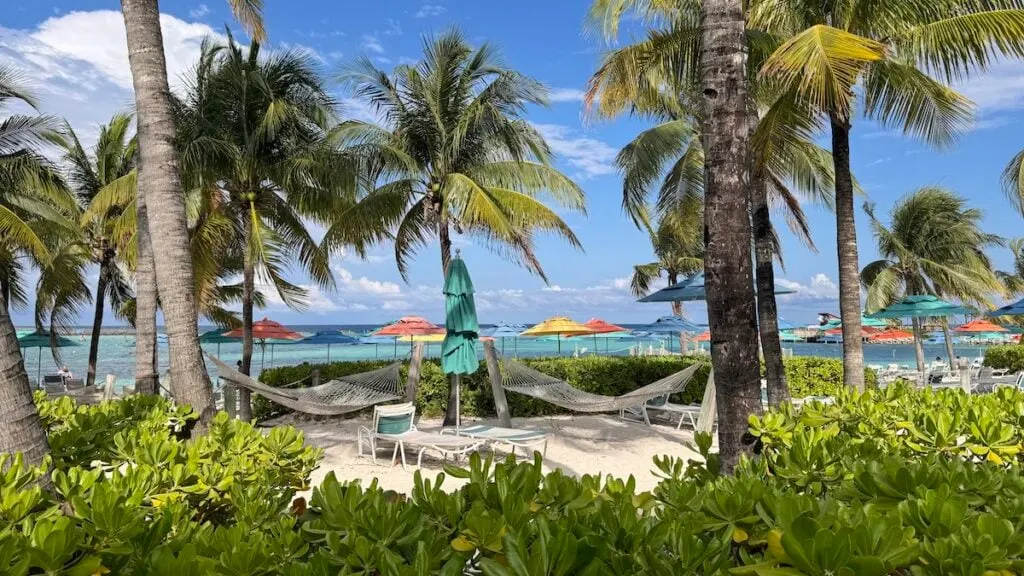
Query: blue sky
[74,54]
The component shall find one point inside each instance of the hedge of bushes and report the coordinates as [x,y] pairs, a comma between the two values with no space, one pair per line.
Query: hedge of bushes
[891,482]
[609,375]
[1010,357]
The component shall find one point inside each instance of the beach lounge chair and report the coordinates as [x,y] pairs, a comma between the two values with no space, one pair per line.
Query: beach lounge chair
[74,384]
[395,423]
[53,384]
[513,437]
[688,413]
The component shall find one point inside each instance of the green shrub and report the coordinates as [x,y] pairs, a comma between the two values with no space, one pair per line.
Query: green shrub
[895,482]
[817,376]
[608,375]
[1010,357]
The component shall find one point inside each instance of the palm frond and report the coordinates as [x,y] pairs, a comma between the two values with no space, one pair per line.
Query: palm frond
[823,64]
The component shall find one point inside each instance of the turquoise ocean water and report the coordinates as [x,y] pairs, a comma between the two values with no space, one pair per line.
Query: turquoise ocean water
[117,351]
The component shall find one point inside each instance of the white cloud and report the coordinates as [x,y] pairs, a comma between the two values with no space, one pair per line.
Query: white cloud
[820,288]
[372,44]
[998,89]
[428,10]
[360,110]
[77,64]
[363,285]
[566,95]
[394,28]
[589,156]
[98,38]
[315,301]
[396,305]
[199,11]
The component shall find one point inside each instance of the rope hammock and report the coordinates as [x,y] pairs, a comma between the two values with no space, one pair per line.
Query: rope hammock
[525,380]
[346,394]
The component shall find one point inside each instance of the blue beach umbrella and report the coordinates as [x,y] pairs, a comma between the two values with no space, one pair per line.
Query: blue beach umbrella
[329,337]
[690,289]
[504,330]
[458,353]
[1015,309]
[671,325]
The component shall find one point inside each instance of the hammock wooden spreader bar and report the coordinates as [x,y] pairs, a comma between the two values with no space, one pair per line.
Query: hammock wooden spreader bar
[522,379]
[340,396]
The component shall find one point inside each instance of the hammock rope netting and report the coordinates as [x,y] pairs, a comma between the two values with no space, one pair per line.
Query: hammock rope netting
[522,379]
[340,396]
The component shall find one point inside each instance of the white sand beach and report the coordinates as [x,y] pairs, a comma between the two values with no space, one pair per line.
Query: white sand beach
[590,444]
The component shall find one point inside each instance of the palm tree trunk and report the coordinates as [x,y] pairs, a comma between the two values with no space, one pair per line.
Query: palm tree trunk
[248,289]
[846,245]
[147,372]
[677,311]
[727,266]
[21,430]
[97,319]
[159,180]
[949,344]
[767,312]
[451,411]
[918,346]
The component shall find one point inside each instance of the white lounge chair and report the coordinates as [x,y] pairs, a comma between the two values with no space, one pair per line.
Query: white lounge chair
[688,413]
[395,423]
[514,437]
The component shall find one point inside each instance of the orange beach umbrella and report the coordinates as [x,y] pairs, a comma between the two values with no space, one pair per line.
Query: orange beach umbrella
[267,329]
[980,325]
[891,336]
[598,326]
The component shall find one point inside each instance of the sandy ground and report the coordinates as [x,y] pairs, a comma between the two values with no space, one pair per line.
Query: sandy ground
[590,444]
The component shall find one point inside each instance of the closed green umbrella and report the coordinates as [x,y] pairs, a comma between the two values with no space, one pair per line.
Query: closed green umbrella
[458,353]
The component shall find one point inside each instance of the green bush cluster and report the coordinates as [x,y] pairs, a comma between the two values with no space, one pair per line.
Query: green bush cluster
[889,482]
[1010,357]
[609,375]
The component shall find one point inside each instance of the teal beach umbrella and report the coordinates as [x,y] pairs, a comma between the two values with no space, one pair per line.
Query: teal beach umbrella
[41,339]
[216,336]
[458,353]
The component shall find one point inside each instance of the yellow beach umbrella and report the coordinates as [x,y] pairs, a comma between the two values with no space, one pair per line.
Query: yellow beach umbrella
[558,326]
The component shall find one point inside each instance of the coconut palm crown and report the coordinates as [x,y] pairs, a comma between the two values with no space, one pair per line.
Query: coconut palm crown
[453,153]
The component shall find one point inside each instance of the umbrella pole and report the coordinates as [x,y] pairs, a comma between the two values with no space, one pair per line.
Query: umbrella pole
[396,346]
[39,366]
[458,402]
[559,338]
[328,352]
[263,355]
[272,355]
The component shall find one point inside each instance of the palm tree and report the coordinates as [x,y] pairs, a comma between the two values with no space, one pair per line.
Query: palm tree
[934,245]
[898,53]
[163,208]
[659,77]
[112,159]
[1014,280]
[252,130]
[678,244]
[31,202]
[455,154]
